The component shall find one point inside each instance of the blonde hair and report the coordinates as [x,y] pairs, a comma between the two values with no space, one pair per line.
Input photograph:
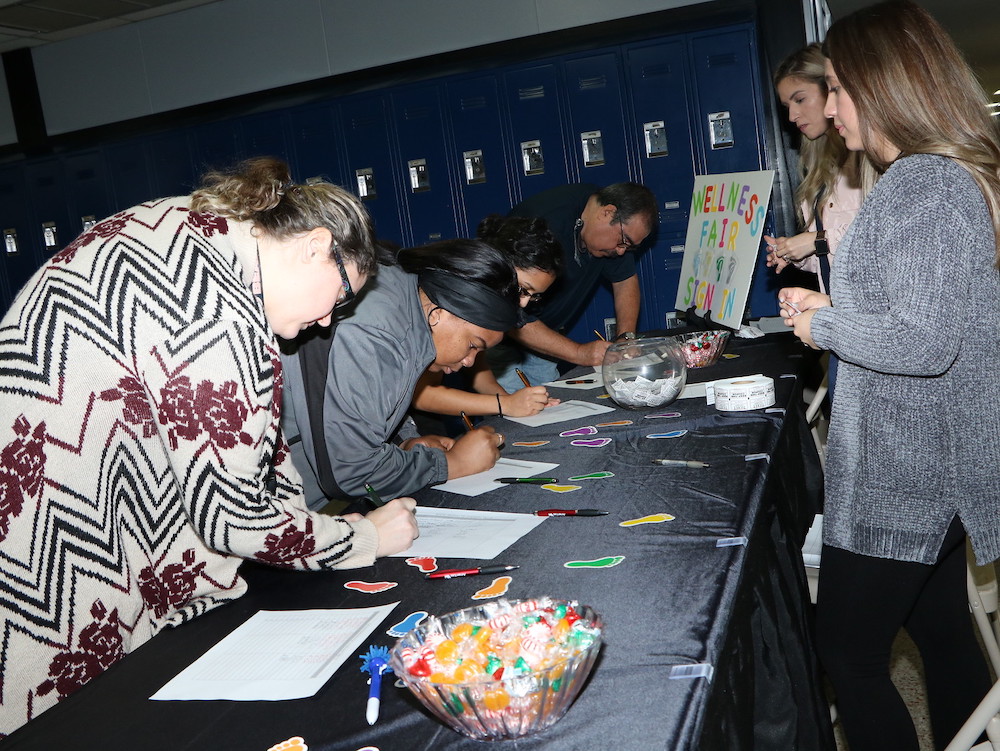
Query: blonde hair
[821,161]
[261,191]
[911,86]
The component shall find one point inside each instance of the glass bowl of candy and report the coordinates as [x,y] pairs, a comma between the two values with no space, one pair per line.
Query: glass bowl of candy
[504,669]
[648,372]
[702,348]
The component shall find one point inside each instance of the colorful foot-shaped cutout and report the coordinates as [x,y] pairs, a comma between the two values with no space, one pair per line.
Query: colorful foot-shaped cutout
[614,424]
[587,430]
[409,623]
[496,589]
[604,396]
[292,744]
[594,443]
[729,355]
[592,476]
[424,564]
[606,562]
[671,434]
[663,414]
[530,444]
[559,488]
[651,519]
[370,588]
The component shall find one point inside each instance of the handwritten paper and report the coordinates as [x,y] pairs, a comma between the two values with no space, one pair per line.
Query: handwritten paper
[276,655]
[464,533]
[573,409]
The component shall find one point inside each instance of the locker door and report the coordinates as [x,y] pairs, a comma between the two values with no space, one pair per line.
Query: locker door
[314,139]
[129,174]
[20,255]
[215,146]
[596,116]
[171,169]
[659,128]
[87,189]
[49,225]
[535,129]
[370,159]
[473,106]
[428,176]
[265,135]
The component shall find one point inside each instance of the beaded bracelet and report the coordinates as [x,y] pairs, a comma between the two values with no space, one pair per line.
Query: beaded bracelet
[499,408]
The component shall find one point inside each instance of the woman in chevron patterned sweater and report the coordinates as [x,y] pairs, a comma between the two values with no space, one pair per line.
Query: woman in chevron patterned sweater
[140,453]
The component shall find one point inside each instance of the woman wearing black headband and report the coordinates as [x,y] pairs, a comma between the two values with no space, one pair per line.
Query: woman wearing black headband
[347,393]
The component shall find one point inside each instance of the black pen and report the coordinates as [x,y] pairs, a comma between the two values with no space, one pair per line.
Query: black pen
[527,480]
[373,496]
[523,377]
[581,380]
[454,573]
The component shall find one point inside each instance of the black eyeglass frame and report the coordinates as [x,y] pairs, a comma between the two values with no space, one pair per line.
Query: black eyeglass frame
[348,292]
[626,243]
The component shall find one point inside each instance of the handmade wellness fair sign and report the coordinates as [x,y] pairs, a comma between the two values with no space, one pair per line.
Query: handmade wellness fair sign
[723,238]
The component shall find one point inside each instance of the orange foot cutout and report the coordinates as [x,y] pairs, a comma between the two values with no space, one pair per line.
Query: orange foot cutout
[370,588]
[424,564]
[497,588]
[292,744]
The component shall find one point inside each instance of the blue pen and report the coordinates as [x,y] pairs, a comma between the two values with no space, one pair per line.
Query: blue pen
[376,662]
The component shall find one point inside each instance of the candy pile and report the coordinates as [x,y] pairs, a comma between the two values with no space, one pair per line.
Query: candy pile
[703,348]
[502,669]
[643,392]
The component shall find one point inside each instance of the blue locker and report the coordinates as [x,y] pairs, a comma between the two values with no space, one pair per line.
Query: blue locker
[478,147]
[315,142]
[659,127]
[598,146]
[265,135]
[20,255]
[215,145]
[370,162]
[536,133]
[128,170]
[428,175]
[49,222]
[172,172]
[87,189]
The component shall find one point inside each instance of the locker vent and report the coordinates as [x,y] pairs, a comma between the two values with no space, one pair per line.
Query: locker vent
[473,103]
[656,71]
[531,92]
[417,113]
[596,82]
[362,122]
[718,61]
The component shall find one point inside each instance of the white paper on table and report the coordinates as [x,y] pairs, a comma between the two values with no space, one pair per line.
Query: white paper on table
[574,409]
[276,655]
[596,377]
[465,533]
[484,482]
[692,390]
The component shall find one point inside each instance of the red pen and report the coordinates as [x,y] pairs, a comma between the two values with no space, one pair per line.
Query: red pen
[570,512]
[454,573]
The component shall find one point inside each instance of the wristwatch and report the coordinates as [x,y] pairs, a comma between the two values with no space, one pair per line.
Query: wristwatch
[820,243]
[626,335]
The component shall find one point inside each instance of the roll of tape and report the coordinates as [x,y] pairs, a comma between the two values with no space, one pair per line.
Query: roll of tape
[743,394]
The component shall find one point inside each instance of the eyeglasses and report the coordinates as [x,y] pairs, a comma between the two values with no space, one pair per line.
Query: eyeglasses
[626,243]
[348,294]
[532,297]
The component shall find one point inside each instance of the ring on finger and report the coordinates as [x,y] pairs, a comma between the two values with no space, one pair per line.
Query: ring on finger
[499,439]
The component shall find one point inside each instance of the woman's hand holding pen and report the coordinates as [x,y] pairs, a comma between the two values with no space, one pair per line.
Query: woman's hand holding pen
[527,401]
[474,451]
[395,524]
[785,250]
[798,305]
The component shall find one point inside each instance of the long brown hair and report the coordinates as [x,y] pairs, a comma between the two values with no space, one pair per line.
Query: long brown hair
[911,86]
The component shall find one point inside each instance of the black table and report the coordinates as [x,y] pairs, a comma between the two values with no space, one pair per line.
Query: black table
[676,599]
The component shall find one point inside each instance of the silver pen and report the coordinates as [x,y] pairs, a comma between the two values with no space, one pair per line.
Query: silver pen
[681,463]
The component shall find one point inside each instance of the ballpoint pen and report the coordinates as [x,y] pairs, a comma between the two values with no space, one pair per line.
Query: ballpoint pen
[373,496]
[582,380]
[599,335]
[570,512]
[523,377]
[526,480]
[681,463]
[455,573]
[465,418]
[376,662]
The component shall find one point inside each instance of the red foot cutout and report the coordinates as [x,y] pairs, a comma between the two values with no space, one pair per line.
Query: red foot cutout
[424,564]
[370,588]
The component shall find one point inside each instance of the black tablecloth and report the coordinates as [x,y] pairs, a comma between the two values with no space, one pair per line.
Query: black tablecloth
[676,599]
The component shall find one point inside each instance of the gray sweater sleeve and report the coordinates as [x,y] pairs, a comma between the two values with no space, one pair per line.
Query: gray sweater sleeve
[901,283]
[370,386]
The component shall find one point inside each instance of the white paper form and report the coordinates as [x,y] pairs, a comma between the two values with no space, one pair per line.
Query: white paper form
[573,409]
[464,533]
[484,482]
[596,381]
[276,655]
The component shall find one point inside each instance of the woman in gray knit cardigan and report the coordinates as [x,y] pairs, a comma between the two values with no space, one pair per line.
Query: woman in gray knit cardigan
[914,316]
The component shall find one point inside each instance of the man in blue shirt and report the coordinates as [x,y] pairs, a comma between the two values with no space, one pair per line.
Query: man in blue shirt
[597,228]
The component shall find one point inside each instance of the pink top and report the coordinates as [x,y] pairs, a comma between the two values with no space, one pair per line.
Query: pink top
[838,212]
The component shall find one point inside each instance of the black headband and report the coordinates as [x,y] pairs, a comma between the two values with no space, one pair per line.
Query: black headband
[471,301]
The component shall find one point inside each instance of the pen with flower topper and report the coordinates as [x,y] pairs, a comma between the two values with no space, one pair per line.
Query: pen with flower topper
[376,663]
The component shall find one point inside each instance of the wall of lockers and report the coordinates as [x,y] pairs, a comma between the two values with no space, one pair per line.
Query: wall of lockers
[430,158]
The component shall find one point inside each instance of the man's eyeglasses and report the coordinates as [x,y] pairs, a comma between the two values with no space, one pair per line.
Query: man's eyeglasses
[626,243]
[532,297]
[348,294]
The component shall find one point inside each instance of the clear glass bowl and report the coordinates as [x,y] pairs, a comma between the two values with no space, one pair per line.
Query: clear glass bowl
[644,373]
[702,348]
[516,704]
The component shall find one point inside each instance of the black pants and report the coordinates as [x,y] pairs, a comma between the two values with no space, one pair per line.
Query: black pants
[861,605]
